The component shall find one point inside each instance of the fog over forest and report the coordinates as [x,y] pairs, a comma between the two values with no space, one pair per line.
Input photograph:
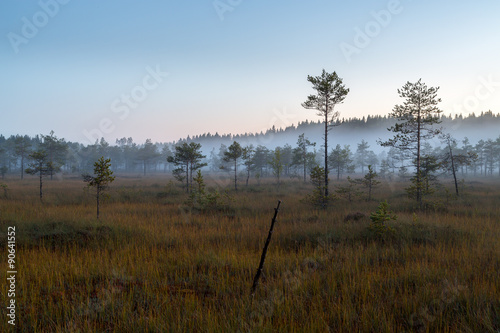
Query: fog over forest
[352,130]
[471,133]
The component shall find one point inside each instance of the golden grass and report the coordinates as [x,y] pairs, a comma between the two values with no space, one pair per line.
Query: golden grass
[150,266]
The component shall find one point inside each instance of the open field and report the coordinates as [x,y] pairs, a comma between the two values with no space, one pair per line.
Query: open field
[148,265]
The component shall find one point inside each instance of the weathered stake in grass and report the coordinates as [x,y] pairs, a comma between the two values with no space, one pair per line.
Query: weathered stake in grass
[264,251]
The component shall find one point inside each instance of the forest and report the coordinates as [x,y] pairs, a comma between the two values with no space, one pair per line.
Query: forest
[474,136]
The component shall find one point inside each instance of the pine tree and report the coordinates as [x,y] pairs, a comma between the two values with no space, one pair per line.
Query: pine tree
[101,179]
[370,182]
[187,158]
[300,154]
[415,119]
[341,160]
[55,149]
[22,147]
[350,190]
[317,198]
[41,166]
[276,163]
[233,154]
[247,156]
[330,91]
[362,156]
[147,154]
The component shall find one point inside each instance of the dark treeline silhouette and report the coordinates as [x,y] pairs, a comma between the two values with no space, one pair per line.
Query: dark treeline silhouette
[354,147]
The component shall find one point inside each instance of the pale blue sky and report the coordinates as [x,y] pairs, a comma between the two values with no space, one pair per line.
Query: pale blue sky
[234,71]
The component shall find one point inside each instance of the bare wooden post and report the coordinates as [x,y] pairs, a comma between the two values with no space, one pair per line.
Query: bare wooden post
[264,251]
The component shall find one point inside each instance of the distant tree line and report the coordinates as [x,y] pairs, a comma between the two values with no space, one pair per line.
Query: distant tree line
[468,123]
[20,153]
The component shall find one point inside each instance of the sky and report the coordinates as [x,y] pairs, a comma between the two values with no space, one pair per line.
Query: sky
[163,70]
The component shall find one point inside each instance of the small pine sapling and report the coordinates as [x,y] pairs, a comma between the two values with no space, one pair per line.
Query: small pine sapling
[5,187]
[205,199]
[349,191]
[370,182]
[3,171]
[101,179]
[379,218]
[318,197]
[41,166]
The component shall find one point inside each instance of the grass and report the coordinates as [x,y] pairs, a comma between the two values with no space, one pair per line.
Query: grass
[150,266]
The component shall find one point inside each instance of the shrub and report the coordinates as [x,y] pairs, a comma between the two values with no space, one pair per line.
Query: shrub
[382,215]
[202,199]
[4,187]
[318,197]
[354,216]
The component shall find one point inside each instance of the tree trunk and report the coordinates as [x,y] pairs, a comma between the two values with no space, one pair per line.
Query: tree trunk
[326,151]
[41,182]
[51,169]
[191,177]
[304,159]
[481,165]
[22,166]
[97,197]
[187,177]
[305,171]
[419,185]
[453,169]
[235,179]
